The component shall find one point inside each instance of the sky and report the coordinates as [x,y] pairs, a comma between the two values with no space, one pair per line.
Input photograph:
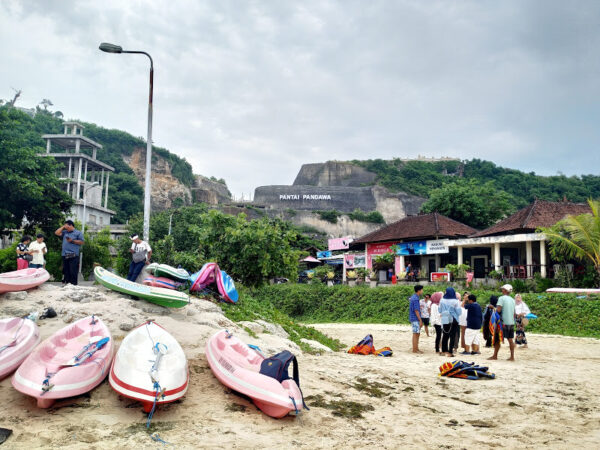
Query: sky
[249,91]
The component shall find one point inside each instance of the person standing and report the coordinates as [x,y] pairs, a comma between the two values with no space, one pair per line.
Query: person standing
[435,319]
[141,252]
[462,321]
[23,253]
[425,311]
[489,310]
[72,240]
[414,315]
[521,310]
[506,308]
[449,310]
[474,321]
[38,247]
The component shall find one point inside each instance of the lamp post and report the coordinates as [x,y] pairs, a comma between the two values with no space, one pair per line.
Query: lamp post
[85,191]
[112,48]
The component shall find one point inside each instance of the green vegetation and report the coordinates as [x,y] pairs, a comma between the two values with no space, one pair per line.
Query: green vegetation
[329,216]
[249,308]
[558,313]
[470,202]
[28,182]
[19,131]
[340,408]
[372,217]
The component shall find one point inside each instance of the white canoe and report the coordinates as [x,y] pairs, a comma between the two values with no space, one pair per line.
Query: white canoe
[18,337]
[131,372]
[562,290]
[21,280]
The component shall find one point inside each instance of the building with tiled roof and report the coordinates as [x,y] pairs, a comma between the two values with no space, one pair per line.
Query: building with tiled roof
[540,213]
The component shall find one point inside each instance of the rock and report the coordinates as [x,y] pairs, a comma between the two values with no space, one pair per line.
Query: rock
[273,328]
[48,287]
[126,326]
[191,312]
[156,310]
[22,295]
[316,345]
[85,300]
[252,326]
[68,318]
[207,306]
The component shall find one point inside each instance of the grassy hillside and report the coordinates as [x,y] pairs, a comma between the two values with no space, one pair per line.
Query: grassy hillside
[125,193]
[420,178]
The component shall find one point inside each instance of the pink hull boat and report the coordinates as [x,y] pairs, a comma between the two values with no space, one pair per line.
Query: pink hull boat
[237,366]
[162,282]
[18,337]
[66,364]
[21,280]
[136,372]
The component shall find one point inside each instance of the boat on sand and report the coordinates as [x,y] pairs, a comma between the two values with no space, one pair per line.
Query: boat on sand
[21,280]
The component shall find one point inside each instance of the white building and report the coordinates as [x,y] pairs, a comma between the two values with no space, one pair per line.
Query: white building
[85,178]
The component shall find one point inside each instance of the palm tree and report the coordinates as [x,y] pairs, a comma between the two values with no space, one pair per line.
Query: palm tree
[577,237]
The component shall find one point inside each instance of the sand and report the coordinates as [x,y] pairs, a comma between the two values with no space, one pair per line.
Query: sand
[547,398]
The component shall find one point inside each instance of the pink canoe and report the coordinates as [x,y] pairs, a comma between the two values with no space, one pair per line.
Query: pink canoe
[71,362]
[18,337]
[162,282]
[150,367]
[237,366]
[21,280]
[204,277]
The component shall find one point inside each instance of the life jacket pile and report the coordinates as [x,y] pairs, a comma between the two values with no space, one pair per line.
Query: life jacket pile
[462,369]
[365,347]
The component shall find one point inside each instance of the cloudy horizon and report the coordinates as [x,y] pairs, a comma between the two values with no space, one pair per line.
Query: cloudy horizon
[250,91]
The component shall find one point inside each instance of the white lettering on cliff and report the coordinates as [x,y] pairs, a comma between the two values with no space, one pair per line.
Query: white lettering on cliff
[305,196]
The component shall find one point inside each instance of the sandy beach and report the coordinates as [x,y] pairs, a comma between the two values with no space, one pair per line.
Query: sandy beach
[547,398]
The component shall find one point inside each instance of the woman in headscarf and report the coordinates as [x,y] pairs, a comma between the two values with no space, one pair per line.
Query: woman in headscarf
[434,317]
[487,335]
[521,310]
[449,310]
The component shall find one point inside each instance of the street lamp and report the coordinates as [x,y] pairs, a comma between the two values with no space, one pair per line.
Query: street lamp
[112,48]
[85,191]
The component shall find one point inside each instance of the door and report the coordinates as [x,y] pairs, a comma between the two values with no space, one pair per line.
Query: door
[479,263]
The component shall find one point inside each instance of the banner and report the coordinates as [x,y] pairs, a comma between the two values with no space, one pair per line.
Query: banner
[422,248]
[348,261]
[440,276]
[324,254]
[437,247]
[339,243]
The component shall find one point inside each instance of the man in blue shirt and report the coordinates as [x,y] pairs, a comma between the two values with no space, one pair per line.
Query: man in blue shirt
[71,245]
[414,315]
[474,322]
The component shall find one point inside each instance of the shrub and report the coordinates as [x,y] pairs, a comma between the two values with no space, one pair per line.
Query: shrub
[8,258]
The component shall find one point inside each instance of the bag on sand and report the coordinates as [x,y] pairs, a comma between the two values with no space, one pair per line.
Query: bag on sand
[366,347]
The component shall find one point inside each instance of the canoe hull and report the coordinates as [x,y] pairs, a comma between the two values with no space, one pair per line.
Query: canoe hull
[160,296]
[21,280]
[130,371]
[237,366]
[25,335]
[50,358]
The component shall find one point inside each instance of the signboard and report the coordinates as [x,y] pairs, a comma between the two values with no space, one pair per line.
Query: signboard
[354,261]
[440,276]
[376,250]
[339,243]
[422,248]
[324,254]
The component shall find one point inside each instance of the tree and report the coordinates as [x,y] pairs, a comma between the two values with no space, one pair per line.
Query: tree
[468,201]
[28,181]
[46,102]
[577,237]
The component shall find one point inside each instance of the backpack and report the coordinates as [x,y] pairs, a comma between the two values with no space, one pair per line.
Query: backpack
[364,347]
[277,366]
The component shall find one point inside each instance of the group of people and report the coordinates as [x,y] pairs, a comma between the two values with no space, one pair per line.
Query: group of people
[458,321]
[31,254]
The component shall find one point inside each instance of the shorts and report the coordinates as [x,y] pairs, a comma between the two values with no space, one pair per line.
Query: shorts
[35,266]
[425,321]
[416,327]
[508,331]
[472,336]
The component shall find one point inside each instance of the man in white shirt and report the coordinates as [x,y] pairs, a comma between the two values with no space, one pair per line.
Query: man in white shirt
[38,247]
[141,252]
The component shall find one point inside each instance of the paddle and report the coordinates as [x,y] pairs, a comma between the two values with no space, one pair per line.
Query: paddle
[76,360]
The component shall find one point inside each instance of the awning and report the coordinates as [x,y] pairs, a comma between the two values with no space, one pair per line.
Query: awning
[311,259]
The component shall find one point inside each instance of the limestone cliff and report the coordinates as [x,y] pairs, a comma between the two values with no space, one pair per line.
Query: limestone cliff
[168,191]
[334,173]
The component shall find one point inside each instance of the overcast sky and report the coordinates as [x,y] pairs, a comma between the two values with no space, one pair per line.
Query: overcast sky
[250,90]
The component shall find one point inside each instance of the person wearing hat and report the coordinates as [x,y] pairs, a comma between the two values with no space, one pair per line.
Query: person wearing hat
[141,252]
[449,311]
[506,308]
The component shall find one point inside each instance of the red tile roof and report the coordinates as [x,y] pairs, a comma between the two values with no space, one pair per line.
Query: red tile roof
[540,213]
[423,226]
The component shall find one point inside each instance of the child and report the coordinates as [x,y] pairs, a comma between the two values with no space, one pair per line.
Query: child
[425,310]
[463,323]
[474,322]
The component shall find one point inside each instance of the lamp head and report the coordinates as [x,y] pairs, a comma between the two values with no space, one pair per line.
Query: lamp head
[110,48]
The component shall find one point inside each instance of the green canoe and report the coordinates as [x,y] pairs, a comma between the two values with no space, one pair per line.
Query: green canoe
[160,296]
[164,270]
